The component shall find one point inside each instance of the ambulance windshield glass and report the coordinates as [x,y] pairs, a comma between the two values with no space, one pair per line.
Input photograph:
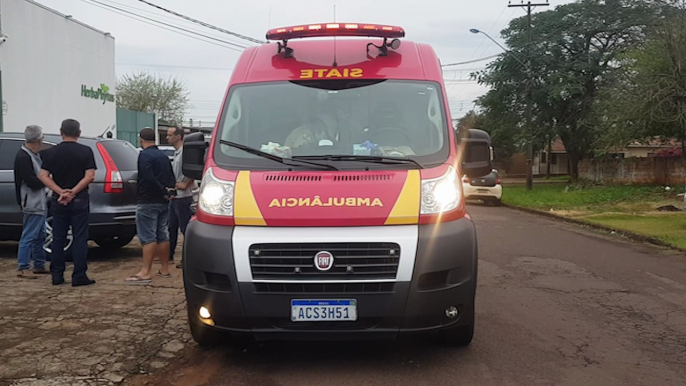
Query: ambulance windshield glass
[335,117]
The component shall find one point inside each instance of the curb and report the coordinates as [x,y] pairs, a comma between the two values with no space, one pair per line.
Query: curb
[623,233]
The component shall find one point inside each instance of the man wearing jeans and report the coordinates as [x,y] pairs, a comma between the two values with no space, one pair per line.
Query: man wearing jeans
[30,193]
[155,190]
[180,206]
[67,170]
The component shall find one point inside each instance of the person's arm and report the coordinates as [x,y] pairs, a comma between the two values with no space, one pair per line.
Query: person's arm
[24,168]
[47,180]
[185,184]
[88,177]
[88,173]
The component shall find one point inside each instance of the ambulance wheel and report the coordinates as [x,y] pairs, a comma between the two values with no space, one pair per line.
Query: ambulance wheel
[202,334]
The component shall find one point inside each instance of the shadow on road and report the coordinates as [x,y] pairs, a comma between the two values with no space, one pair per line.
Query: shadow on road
[258,363]
[8,251]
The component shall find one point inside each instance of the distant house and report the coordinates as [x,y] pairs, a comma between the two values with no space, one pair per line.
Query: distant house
[559,161]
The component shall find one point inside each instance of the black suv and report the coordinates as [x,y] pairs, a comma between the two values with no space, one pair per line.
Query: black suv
[112,194]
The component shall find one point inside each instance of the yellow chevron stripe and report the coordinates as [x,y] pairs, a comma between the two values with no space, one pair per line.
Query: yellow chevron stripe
[246,211]
[406,208]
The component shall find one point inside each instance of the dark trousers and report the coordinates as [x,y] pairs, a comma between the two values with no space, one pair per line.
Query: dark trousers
[75,214]
[179,216]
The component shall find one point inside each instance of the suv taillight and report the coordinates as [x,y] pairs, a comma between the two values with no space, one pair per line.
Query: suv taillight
[114,183]
[497,181]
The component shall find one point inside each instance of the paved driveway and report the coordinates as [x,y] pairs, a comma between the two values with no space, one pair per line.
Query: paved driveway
[556,305]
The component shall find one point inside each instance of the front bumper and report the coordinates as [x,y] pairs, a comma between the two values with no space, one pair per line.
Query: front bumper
[444,274]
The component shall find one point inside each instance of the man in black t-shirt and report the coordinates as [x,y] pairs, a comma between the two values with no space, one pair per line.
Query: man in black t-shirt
[67,170]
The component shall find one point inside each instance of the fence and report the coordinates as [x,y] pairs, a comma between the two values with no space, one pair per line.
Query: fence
[129,124]
[640,171]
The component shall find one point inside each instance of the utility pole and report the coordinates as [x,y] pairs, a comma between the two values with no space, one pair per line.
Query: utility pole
[529,93]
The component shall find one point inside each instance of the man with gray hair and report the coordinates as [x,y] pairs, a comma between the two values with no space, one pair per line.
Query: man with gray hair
[31,197]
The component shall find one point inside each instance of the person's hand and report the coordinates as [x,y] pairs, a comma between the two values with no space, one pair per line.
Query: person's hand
[66,197]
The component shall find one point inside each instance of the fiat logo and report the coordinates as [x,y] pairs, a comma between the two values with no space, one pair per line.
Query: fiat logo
[323,261]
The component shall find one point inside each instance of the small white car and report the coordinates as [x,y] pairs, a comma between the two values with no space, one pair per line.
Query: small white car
[487,188]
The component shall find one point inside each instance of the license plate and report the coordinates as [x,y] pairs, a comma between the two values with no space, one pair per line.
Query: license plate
[482,190]
[323,310]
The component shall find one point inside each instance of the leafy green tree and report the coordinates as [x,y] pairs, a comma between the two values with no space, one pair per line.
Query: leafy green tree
[142,91]
[650,98]
[575,54]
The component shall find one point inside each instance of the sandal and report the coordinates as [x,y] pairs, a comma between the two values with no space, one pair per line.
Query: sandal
[135,279]
[160,274]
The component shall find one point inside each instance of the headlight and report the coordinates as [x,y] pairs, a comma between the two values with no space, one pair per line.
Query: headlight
[216,196]
[441,194]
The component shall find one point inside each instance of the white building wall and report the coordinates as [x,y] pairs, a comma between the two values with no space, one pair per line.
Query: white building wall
[45,61]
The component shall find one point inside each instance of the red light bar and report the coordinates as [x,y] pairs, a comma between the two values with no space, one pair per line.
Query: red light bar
[335,29]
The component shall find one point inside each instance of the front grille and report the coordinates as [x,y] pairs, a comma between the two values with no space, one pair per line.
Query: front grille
[352,261]
[324,288]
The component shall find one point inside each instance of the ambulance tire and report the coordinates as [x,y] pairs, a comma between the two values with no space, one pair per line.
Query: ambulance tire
[203,335]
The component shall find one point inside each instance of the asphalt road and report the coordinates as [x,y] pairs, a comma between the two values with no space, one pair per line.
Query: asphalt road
[556,305]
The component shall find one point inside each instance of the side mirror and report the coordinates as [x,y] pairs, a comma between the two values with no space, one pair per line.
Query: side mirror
[477,153]
[194,151]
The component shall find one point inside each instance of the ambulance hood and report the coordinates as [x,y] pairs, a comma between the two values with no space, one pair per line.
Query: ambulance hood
[368,198]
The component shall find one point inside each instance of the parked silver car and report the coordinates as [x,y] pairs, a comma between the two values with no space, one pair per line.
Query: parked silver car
[112,194]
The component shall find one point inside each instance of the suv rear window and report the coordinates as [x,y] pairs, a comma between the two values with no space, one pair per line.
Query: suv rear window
[123,154]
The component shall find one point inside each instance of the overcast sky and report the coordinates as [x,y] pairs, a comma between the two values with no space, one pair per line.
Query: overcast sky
[206,67]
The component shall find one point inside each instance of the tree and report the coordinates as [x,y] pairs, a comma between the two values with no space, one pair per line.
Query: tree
[574,55]
[167,98]
[651,99]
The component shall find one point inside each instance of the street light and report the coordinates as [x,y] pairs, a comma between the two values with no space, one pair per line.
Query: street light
[529,102]
[476,31]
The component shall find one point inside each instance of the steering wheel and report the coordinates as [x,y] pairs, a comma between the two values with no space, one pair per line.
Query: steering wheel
[391,136]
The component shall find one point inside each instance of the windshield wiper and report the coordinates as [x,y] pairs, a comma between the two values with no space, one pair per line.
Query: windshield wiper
[276,158]
[363,158]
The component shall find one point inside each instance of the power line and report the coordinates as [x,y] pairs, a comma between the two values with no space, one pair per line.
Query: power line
[130,15]
[203,23]
[470,61]
[170,18]
[489,31]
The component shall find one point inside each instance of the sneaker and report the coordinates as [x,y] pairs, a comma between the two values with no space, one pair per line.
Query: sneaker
[82,282]
[57,281]
[41,271]
[179,264]
[25,275]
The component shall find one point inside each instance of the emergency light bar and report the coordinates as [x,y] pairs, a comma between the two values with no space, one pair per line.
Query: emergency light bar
[335,29]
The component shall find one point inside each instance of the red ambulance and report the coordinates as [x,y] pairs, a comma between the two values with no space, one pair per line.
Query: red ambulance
[331,203]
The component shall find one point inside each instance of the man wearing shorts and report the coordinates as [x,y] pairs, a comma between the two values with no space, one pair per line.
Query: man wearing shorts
[155,189]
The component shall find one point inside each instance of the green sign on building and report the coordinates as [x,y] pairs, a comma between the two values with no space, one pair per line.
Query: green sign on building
[102,93]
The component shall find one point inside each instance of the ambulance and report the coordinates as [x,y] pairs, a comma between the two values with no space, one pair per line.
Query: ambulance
[331,203]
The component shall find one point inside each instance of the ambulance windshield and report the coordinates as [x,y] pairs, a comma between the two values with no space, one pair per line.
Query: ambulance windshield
[335,117]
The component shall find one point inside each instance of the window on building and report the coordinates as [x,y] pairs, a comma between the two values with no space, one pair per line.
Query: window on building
[553,159]
[544,158]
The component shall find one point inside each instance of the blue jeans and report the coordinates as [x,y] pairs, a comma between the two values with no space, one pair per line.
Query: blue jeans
[31,243]
[152,223]
[76,214]
[179,216]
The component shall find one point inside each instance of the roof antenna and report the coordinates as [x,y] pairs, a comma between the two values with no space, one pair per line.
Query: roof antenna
[335,62]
